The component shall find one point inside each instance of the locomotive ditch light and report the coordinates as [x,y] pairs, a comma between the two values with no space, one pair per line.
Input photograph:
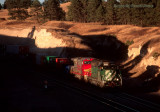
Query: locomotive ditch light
[116,79]
[108,79]
[106,64]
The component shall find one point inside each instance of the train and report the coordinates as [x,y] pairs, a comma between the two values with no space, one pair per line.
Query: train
[98,72]
[102,73]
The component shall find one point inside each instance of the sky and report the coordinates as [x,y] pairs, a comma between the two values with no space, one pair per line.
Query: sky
[2,1]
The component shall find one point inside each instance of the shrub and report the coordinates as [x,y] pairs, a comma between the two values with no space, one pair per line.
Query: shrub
[156,55]
[128,42]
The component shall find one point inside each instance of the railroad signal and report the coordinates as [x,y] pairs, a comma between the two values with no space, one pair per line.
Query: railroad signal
[45,84]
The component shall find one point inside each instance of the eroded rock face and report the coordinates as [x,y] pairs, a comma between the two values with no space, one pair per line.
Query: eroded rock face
[45,42]
[45,39]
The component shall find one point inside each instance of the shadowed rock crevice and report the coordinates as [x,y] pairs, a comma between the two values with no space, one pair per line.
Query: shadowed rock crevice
[30,34]
[148,81]
[131,64]
[151,78]
[105,47]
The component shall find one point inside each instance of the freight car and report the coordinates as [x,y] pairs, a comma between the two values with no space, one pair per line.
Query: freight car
[2,50]
[51,61]
[20,50]
[82,67]
[61,63]
[40,59]
[43,59]
[105,74]
[55,61]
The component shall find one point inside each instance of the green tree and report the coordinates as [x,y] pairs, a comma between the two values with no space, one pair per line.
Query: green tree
[124,12]
[156,11]
[150,18]
[100,13]
[36,10]
[84,10]
[0,6]
[53,11]
[95,10]
[64,1]
[5,4]
[27,3]
[111,12]
[75,11]
[135,12]
[17,9]
[138,13]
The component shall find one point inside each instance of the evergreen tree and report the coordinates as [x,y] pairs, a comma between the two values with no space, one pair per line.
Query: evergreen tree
[75,11]
[157,12]
[0,6]
[136,13]
[27,3]
[17,9]
[36,10]
[4,5]
[84,11]
[53,11]
[62,1]
[141,14]
[111,12]
[124,12]
[95,10]
[100,12]
[150,14]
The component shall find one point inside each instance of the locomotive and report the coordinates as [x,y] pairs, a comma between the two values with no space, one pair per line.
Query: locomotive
[81,68]
[97,72]
[105,74]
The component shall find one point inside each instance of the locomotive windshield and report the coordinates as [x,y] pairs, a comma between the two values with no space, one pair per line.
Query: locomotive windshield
[87,62]
[109,67]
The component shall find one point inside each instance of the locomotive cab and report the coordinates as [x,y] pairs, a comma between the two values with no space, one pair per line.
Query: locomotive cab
[111,75]
[105,74]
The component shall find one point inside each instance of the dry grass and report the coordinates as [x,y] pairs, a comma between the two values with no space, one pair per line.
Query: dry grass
[4,13]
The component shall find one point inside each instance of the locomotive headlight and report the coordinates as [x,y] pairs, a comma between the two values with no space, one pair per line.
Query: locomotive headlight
[108,79]
[110,74]
[117,79]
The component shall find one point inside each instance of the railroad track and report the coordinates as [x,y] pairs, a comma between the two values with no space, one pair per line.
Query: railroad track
[144,105]
[105,101]
[117,105]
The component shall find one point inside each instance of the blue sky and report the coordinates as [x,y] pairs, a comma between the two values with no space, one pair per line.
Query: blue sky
[1,1]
